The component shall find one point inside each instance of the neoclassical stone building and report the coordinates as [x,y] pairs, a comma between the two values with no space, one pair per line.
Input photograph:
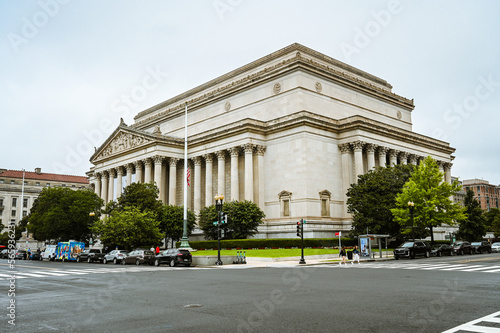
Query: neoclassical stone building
[290,131]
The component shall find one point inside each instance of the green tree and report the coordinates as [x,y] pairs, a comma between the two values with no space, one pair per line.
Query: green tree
[144,196]
[495,226]
[490,216]
[473,227]
[244,218]
[172,221]
[61,214]
[371,199]
[129,228]
[431,196]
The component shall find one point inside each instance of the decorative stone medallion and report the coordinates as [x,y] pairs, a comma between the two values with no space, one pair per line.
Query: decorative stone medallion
[318,87]
[227,106]
[399,115]
[277,88]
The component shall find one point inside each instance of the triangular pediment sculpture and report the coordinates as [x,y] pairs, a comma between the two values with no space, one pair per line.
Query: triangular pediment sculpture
[121,142]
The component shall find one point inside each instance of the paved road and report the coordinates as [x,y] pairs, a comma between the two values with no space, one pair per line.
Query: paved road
[422,295]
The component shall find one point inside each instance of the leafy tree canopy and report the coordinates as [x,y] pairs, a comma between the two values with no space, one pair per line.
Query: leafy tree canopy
[144,196]
[473,227]
[172,221]
[244,218]
[129,228]
[490,216]
[61,214]
[370,200]
[430,194]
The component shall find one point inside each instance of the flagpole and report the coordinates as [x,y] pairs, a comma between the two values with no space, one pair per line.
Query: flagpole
[185,240]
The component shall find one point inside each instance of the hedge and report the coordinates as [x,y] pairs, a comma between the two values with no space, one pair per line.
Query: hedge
[271,243]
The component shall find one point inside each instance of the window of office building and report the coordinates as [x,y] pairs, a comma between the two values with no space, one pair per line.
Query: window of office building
[13,213]
[25,203]
[14,202]
[285,198]
[25,213]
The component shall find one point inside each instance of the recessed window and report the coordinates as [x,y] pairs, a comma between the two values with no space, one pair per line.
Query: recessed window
[37,183]
[1,202]
[286,207]
[14,202]
[25,213]
[1,181]
[25,182]
[25,203]
[13,213]
[285,198]
[12,182]
[47,184]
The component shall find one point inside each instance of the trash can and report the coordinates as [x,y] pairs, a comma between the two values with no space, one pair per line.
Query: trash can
[349,255]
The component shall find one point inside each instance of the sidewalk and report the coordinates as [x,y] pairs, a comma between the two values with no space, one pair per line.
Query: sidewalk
[310,261]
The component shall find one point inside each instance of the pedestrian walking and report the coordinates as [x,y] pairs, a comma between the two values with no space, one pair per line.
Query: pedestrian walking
[355,253]
[343,254]
[157,250]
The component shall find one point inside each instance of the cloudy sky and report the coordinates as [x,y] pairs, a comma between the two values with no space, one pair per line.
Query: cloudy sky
[68,68]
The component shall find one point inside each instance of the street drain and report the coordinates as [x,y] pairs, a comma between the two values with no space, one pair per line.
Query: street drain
[192,306]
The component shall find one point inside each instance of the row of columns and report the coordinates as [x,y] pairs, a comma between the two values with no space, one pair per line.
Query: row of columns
[104,180]
[357,148]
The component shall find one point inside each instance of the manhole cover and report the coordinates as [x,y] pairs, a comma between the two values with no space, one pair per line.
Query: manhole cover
[192,306]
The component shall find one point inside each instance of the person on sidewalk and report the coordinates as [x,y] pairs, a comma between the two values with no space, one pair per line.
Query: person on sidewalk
[355,253]
[343,254]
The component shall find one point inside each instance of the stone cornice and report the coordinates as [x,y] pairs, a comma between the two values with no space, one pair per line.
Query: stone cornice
[304,58]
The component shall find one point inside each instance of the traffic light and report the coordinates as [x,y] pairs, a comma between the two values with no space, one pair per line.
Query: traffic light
[224,218]
[299,229]
[222,233]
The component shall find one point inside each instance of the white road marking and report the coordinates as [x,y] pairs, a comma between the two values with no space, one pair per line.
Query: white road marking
[477,326]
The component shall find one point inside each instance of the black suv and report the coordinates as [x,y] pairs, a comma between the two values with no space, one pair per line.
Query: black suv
[481,247]
[412,250]
[174,257]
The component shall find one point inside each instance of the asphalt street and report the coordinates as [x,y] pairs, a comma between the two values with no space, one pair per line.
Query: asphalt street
[421,295]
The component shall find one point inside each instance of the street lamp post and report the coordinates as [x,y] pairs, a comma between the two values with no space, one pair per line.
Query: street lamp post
[91,216]
[219,200]
[411,207]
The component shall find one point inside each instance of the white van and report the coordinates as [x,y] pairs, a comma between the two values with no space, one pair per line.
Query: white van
[49,253]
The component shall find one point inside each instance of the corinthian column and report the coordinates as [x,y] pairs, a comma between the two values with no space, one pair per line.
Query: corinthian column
[172,185]
[157,174]
[235,189]
[260,167]
[393,157]
[382,156]
[111,190]
[98,176]
[370,155]
[208,180]
[403,157]
[138,171]
[248,171]
[197,184]
[345,149]
[119,181]
[147,170]
[447,172]
[221,172]
[358,158]
[130,169]
[104,192]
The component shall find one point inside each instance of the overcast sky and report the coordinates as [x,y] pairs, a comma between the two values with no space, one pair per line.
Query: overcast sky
[67,67]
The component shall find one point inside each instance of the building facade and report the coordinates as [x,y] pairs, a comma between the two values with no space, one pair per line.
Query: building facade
[487,194]
[17,199]
[290,131]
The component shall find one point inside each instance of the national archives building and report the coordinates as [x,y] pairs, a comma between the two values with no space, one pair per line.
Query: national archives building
[290,131]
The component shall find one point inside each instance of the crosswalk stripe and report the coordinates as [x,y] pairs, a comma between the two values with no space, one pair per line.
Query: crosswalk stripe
[493,271]
[28,274]
[457,267]
[476,327]
[481,268]
[51,273]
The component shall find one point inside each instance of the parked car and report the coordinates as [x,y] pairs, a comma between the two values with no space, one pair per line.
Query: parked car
[481,247]
[20,255]
[441,249]
[139,257]
[174,257]
[412,250]
[116,256]
[462,247]
[495,247]
[35,256]
[90,255]
[4,254]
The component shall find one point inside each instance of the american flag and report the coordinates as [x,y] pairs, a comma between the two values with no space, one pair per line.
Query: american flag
[188,175]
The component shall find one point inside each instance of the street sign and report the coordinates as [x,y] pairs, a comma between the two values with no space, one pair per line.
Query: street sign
[338,233]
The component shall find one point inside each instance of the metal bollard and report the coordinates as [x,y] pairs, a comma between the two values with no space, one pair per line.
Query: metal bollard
[244,258]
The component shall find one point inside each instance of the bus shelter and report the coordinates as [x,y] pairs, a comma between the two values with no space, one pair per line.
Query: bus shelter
[367,241]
